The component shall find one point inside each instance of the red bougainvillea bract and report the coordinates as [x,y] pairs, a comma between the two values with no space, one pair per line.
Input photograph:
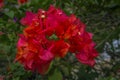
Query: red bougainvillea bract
[52,34]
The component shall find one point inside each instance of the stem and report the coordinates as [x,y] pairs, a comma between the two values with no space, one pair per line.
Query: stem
[103,40]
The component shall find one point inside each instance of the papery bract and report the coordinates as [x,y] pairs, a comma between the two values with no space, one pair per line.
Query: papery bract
[52,34]
[27,20]
[60,48]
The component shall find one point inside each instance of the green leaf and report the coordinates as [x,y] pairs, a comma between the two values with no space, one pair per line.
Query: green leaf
[56,75]
[54,37]
[10,14]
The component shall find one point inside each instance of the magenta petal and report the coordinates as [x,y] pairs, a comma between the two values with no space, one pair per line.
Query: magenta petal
[21,41]
[85,59]
[90,34]
[29,64]
[46,55]
[27,20]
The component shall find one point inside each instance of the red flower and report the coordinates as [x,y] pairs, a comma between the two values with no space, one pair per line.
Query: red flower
[50,34]
[87,53]
[1,3]
[60,48]
[22,1]
[34,55]
[83,46]
[27,20]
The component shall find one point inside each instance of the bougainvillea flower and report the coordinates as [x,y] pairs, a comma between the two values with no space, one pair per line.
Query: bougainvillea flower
[60,50]
[1,3]
[27,19]
[51,34]
[33,55]
[22,1]
[87,53]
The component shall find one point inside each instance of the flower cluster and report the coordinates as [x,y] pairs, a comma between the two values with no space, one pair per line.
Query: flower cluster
[51,34]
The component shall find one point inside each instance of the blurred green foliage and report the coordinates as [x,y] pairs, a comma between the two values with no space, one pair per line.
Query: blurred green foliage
[101,18]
